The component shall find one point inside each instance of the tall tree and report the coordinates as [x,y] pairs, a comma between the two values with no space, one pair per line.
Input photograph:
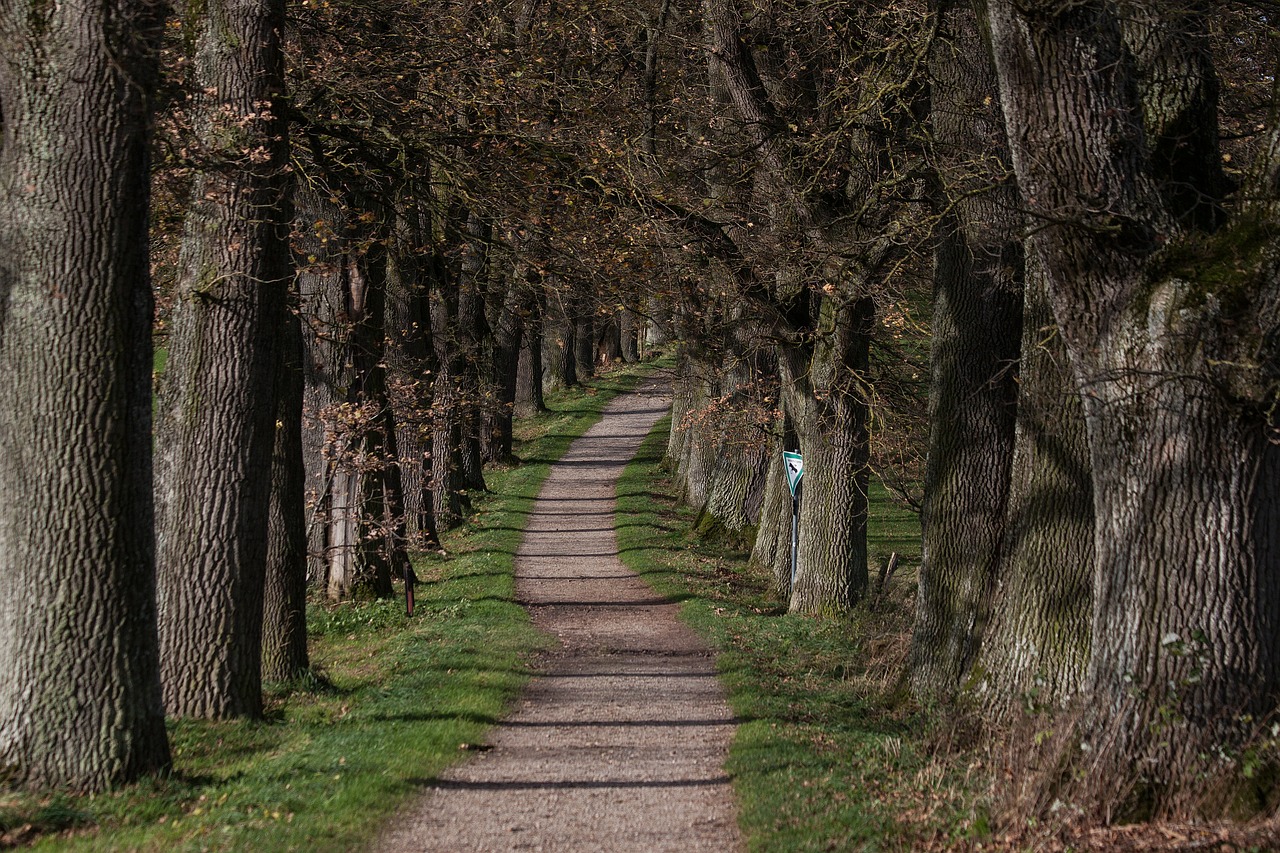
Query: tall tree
[978,283]
[838,250]
[1036,647]
[80,703]
[284,622]
[1168,298]
[349,428]
[217,411]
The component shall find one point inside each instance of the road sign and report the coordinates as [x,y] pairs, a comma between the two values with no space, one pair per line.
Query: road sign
[795,469]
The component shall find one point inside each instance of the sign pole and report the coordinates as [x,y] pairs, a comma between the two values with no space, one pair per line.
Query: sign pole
[795,534]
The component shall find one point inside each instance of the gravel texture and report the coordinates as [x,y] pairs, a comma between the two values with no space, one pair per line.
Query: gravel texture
[619,743]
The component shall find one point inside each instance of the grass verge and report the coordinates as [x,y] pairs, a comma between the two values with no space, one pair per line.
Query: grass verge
[395,700]
[825,756]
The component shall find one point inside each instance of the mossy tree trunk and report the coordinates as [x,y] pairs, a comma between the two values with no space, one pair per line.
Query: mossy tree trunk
[977,307]
[80,703]
[1168,309]
[1037,645]
[217,403]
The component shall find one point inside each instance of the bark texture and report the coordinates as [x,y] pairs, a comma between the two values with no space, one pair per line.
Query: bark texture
[1036,649]
[978,281]
[217,410]
[284,617]
[1170,320]
[772,547]
[80,704]
[830,416]
[411,373]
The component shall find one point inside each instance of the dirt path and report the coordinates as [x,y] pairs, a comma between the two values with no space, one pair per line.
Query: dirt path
[619,743]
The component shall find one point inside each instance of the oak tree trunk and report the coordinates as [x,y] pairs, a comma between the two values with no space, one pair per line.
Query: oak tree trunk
[978,280]
[284,618]
[504,331]
[822,394]
[630,327]
[559,367]
[217,406]
[529,392]
[1035,651]
[1168,312]
[80,704]
[772,547]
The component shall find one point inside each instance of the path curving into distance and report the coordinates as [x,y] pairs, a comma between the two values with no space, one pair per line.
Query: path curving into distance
[620,740]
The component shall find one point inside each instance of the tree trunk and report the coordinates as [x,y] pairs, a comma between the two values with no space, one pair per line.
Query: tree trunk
[735,498]
[978,281]
[1171,327]
[1037,646]
[630,333]
[699,443]
[772,547]
[284,622]
[657,328]
[449,501]
[410,379]
[822,393]
[217,409]
[504,332]
[80,704]
[529,397]
[558,333]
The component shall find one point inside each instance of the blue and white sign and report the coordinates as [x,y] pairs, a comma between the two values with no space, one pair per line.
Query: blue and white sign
[795,469]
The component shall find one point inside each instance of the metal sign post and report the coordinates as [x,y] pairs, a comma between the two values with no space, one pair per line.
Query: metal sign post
[794,465]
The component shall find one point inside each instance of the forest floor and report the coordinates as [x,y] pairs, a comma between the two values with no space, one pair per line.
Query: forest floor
[620,740]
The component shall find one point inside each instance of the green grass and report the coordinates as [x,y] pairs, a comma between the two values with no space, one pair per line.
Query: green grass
[827,755]
[395,700]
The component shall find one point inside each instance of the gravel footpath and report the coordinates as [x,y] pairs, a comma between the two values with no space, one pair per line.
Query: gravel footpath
[619,743]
